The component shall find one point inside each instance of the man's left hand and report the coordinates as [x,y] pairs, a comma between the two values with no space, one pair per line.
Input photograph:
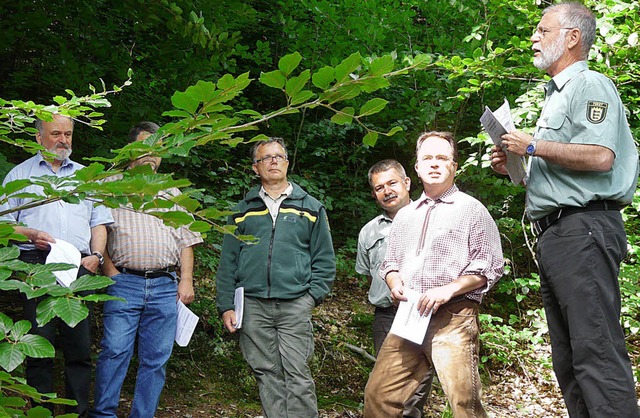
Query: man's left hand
[516,142]
[185,290]
[91,263]
[434,299]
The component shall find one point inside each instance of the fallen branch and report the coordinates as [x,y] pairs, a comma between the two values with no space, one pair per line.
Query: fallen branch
[360,351]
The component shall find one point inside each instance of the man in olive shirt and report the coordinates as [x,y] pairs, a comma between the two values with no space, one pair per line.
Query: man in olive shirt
[583,169]
[390,187]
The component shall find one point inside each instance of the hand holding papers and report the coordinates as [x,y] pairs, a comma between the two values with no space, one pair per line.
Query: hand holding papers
[408,323]
[497,124]
[187,322]
[64,252]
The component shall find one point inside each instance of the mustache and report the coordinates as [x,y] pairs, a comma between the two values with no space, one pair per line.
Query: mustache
[391,196]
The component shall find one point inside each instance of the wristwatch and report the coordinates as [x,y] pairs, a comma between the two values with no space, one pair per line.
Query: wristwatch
[100,257]
[531,148]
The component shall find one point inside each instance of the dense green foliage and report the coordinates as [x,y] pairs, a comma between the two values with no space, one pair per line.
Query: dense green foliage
[470,54]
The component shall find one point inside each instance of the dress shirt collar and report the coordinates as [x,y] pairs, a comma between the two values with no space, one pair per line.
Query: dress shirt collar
[567,74]
[446,197]
[263,193]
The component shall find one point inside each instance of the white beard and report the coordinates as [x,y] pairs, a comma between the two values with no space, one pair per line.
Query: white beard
[61,153]
[552,53]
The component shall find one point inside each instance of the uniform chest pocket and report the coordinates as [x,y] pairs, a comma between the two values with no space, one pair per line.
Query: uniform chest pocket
[554,121]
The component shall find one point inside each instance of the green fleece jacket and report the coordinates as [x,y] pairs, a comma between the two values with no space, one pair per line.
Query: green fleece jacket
[293,256]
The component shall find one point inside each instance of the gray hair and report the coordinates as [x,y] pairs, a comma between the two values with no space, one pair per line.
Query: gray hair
[386,165]
[254,149]
[145,126]
[39,123]
[576,15]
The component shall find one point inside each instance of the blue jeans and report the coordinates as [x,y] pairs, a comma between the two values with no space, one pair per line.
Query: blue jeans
[276,339]
[150,312]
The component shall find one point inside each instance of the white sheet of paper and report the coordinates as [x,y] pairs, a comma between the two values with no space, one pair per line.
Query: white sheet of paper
[238,301]
[408,323]
[64,252]
[496,124]
[187,322]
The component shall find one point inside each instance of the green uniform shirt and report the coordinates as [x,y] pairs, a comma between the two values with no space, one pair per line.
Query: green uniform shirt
[582,107]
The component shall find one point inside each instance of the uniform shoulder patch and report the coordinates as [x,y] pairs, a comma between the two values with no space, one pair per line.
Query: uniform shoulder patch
[596,111]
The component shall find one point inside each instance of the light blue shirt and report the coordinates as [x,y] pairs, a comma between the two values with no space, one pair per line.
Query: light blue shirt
[582,107]
[70,222]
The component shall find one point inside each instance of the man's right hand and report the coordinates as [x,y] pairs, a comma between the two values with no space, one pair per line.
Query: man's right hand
[229,320]
[498,160]
[41,239]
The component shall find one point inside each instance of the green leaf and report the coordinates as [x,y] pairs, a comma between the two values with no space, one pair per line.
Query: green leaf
[10,356]
[185,101]
[344,116]
[394,131]
[373,106]
[174,218]
[199,226]
[301,97]
[45,311]
[36,346]
[288,63]
[347,66]
[382,65]
[323,77]
[15,185]
[100,297]
[371,84]
[9,253]
[370,139]
[70,310]
[346,92]
[295,84]
[273,79]
[89,282]
[19,329]
[5,324]
[12,401]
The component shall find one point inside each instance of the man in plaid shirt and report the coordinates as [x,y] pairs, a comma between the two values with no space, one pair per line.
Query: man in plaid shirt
[143,257]
[445,246]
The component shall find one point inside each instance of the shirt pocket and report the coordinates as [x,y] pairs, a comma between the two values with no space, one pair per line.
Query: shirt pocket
[554,127]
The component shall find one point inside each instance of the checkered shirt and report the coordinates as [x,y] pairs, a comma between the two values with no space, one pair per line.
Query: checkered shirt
[432,243]
[140,241]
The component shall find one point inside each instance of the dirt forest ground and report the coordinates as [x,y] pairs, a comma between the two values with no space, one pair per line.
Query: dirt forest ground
[197,387]
[209,378]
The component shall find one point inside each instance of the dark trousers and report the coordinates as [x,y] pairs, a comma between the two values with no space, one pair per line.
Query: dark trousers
[580,258]
[76,348]
[382,321]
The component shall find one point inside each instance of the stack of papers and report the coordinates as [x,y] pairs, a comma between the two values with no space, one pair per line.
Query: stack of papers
[64,252]
[238,301]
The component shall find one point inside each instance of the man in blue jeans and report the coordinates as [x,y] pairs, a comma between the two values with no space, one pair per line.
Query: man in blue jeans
[143,257]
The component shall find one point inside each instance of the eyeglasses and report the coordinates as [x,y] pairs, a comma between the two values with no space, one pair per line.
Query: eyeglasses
[541,31]
[268,159]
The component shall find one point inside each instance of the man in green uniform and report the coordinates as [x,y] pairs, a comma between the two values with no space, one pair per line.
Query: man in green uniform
[583,169]
[285,275]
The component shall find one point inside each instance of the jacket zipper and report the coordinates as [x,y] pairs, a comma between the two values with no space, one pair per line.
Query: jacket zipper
[273,234]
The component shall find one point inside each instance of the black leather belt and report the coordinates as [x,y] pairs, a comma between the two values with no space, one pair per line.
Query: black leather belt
[541,225]
[149,274]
